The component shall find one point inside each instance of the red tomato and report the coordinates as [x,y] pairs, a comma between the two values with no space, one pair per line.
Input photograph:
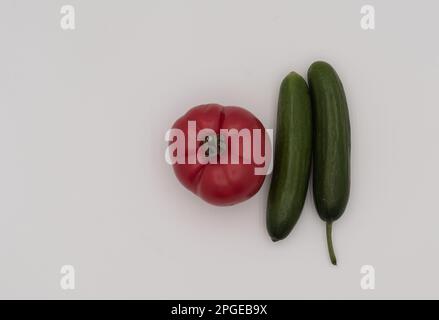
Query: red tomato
[220,183]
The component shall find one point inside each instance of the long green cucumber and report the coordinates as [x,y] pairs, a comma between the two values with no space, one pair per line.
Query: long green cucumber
[292,157]
[331,146]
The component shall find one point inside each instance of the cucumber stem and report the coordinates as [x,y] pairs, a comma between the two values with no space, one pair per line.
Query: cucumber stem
[329,241]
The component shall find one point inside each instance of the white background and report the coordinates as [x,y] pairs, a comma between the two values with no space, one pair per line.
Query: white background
[83,179]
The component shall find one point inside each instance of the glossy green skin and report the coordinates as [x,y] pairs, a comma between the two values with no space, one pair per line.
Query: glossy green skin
[292,158]
[331,142]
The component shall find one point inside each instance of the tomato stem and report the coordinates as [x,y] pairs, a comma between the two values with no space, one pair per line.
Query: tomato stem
[215,145]
[330,245]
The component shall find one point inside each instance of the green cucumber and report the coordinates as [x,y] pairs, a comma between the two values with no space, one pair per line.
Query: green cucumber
[331,146]
[292,157]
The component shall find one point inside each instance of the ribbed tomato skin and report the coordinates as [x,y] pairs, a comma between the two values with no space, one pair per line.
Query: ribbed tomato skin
[220,184]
